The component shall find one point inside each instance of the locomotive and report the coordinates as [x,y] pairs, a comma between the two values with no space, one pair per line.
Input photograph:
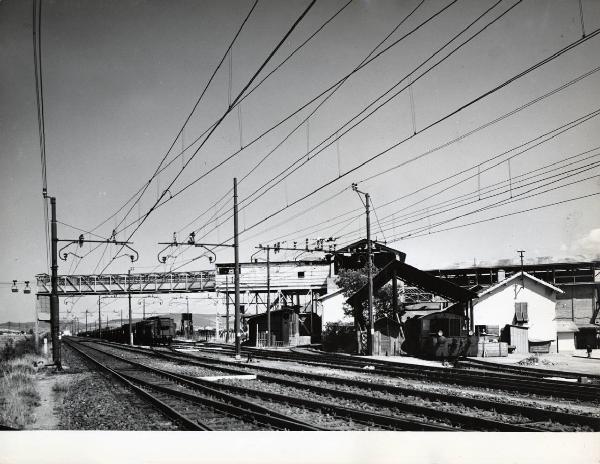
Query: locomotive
[151,331]
[421,334]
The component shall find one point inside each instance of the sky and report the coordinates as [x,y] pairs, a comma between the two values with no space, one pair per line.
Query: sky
[120,78]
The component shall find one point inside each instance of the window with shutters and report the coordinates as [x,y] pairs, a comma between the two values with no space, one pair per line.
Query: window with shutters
[521,312]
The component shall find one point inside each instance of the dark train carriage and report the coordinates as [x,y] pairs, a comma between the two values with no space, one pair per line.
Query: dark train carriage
[422,336]
[154,331]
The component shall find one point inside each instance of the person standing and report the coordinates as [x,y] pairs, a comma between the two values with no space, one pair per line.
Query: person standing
[442,347]
[464,350]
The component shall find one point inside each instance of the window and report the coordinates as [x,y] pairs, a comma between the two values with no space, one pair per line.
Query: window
[301,275]
[521,312]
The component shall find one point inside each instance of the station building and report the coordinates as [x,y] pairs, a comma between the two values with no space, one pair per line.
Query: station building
[521,310]
[576,306]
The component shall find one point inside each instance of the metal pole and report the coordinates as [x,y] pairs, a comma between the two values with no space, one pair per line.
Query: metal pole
[268,298]
[370,276]
[129,298]
[143,308]
[187,305]
[86,325]
[99,319]
[236,271]
[227,309]
[121,316]
[54,302]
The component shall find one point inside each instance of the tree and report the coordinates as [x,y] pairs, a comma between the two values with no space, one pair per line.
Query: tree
[352,280]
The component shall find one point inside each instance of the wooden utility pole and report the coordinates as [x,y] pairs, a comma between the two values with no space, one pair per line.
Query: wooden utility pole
[370,328]
[521,253]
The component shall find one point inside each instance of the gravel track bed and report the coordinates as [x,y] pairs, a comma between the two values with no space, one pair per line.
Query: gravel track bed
[298,413]
[216,420]
[273,387]
[94,401]
[478,393]
[318,418]
[559,405]
[418,401]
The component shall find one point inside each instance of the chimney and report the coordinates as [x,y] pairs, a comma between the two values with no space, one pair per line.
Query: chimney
[501,275]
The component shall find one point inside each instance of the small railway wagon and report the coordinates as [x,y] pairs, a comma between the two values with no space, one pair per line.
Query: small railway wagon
[422,336]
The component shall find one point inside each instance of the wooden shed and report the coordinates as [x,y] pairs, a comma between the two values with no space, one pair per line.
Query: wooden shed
[388,337]
[289,327]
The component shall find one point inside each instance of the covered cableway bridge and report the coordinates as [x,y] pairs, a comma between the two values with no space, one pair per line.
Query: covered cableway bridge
[123,284]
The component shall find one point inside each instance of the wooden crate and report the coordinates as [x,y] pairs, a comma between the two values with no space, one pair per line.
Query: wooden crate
[488,350]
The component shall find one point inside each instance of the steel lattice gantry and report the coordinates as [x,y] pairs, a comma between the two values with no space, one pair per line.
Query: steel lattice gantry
[123,284]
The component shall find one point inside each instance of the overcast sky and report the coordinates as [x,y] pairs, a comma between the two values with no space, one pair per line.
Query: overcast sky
[120,78]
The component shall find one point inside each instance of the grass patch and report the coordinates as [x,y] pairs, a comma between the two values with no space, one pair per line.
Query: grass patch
[18,395]
[14,347]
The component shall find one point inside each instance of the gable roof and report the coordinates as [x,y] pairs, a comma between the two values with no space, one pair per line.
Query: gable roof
[331,294]
[517,276]
[415,277]
[376,247]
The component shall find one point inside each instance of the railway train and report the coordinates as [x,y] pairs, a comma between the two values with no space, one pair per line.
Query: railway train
[151,331]
[421,336]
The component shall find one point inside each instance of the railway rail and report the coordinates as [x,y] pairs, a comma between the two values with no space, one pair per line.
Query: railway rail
[350,417]
[207,409]
[480,377]
[433,404]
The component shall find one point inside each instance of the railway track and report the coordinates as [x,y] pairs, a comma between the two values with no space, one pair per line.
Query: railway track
[403,400]
[344,418]
[195,410]
[508,381]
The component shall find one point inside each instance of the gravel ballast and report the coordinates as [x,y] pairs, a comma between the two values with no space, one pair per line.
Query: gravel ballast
[93,401]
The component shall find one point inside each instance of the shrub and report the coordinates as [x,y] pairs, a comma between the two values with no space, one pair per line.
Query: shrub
[339,337]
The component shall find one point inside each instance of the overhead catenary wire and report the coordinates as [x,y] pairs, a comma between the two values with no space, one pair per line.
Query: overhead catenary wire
[516,198]
[430,125]
[395,239]
[190,114]
[529,144]
[324,92]
[255,75]
[198,138]
[567,126]
[464,197]
[498,192]
[576,121]
[363,63]
[335,89]
[552,133]
[327,142]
